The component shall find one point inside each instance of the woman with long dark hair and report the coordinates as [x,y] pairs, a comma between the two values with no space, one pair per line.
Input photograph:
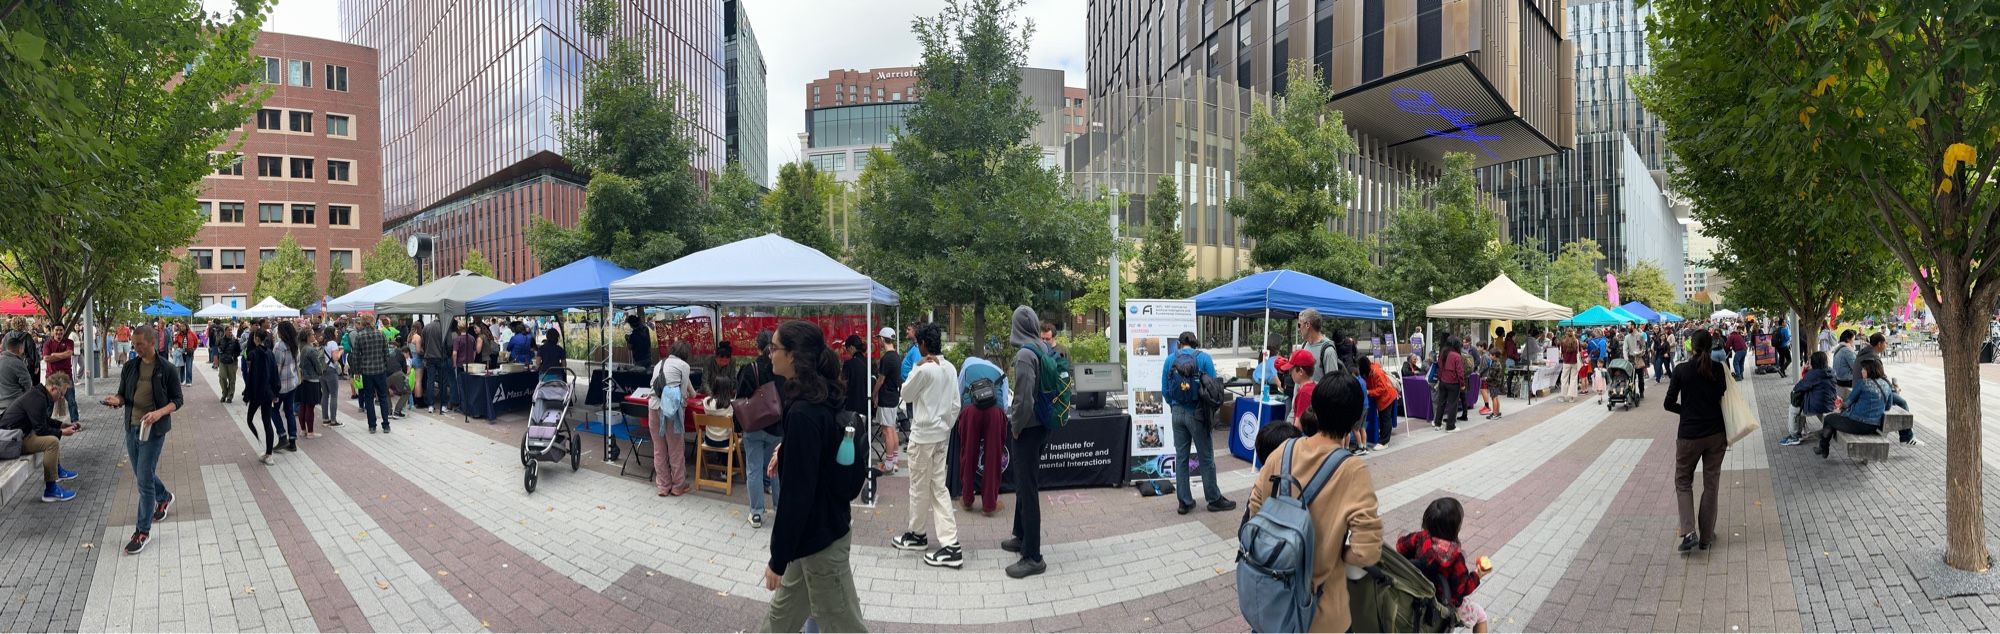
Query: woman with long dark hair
[312,368]
[285,352]
[260,390]
[1696,394]
[809,567]
[1451,381]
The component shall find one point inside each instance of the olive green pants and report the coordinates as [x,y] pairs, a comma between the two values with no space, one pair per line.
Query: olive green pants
[820,585]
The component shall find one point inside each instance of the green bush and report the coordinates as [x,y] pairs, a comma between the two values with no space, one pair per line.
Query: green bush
[1091,349]
[956,353]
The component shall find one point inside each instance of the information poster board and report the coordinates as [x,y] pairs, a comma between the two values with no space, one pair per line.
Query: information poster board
[1153,328]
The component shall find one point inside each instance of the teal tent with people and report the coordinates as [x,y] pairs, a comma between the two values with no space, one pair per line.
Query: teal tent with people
[1601,316]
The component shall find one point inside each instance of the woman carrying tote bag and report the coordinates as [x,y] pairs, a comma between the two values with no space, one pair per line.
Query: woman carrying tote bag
[1696,393]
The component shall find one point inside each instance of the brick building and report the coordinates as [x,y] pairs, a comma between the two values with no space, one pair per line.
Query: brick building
[309,166]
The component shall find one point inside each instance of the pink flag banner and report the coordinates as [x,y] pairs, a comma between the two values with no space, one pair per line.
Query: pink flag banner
[1611,285]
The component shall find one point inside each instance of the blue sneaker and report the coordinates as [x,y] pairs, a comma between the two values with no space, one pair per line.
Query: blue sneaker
[1790,441]
[53,492]
[64,475]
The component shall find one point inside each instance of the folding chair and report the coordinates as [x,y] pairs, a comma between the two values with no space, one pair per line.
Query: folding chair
[721,461]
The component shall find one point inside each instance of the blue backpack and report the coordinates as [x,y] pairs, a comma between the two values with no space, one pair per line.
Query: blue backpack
[1184,381]
[1274,552]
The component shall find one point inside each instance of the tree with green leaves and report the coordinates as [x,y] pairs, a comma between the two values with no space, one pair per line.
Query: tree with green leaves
[476,262]
[1646,283]
[1897,101]
[736,207]
[112,108]
[1438,244]
[969,215]
[643,206]
[389,260]
[187,281]
[337,284]
[1572,277]
[1163,256]
[1296,184]
[287,276]
[798,205]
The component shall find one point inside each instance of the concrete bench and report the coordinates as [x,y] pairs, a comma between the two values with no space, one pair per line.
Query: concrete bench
[1876,447]
[18,473]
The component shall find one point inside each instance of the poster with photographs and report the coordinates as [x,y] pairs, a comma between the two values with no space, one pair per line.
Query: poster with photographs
[1152,328]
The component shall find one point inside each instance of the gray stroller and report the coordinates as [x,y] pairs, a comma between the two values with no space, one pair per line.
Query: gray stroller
[549,437]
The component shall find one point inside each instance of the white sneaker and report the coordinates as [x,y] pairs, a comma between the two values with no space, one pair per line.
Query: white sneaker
[1913,442]
[269,460]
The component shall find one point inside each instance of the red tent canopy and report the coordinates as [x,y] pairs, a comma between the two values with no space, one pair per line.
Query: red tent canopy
[21,305]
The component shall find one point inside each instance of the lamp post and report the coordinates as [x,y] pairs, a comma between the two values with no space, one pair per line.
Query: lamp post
[1113,310]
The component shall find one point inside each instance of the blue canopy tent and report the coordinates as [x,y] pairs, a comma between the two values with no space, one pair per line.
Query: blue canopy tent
[1672,318]
[1641,311]
[1600,316]
[167,307]
[585,283]
[1629,316]
[1286,293]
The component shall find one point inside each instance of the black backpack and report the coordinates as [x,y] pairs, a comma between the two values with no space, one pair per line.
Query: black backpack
[984,393]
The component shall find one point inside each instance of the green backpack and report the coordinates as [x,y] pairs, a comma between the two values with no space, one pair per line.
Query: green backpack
[1053,387]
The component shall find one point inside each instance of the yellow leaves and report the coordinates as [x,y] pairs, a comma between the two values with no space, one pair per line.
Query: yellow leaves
[1944,186]
[1915,122]
[1857,112]
[1805,116]
[1829,82]
[1773,21]
[1955,154]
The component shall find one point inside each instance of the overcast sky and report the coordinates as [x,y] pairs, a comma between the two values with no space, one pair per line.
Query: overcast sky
[802,40]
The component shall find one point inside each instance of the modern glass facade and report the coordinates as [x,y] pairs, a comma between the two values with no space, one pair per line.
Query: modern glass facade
[472,92]
[871,124]
[747,120]
[1588,192]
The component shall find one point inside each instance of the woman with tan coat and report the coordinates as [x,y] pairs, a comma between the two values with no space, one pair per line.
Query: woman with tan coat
[1345,518]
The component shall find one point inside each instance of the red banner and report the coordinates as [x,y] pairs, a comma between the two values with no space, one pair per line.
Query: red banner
[741,332]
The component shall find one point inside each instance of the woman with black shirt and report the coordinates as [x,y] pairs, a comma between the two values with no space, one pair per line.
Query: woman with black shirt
[640,340]
[551,355]
[809,567]
[854,373]
[260,391]
[1696,394]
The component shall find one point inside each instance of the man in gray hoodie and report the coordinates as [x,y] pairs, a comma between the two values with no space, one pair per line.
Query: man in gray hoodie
[16,377]
[1029,436]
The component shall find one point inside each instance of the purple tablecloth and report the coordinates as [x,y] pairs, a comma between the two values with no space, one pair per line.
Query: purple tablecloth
[1417,397]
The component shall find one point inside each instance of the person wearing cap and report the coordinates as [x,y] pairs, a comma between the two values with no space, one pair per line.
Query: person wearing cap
[888,394]
[1191,427]
[1300,364]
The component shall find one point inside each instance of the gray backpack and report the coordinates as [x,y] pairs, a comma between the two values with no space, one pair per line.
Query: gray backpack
[10,443]
[1274,552]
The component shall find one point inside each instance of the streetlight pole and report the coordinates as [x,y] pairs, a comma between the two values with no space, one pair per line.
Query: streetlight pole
[1113,309]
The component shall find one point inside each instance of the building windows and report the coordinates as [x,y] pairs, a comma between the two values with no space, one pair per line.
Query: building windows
[829,163]
[339,171]
[336,125]
[271,167]
[274,71]
[302,214]
[299,73]
[340,260]
[302,121]
[860,160]
[302,168]
[336,78]
[231,260]
[1371,40]
[1281,13]
[340,215]
[270,213]
[204,259]
[232,167]
[265,255]
[1430,30]
[270,119]
[229,213]
[312,256]
[204,210]
[1243,53]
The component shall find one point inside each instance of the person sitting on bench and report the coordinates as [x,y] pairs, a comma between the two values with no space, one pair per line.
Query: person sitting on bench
[1870,399]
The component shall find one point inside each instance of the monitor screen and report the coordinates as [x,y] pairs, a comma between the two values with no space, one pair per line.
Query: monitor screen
[1099,377]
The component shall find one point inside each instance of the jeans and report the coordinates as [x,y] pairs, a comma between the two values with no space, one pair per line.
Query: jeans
[145,457]
[1708,451]
[1372,427]
[1027,458]
[187,369]
[288,405]
[69,396]
[1188,429]
[818,586]
[1736,363]
[438,375]
[757,447]
[1662,368]
[375,389]
[329,399]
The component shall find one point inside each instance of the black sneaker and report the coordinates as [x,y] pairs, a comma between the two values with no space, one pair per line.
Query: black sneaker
[911,541]
[1012,545]
[1224,504]
[947,557]
[756,521]
[1184,507]
[1688,542]
[1026,568]
[371,430]
[137,544]
[385,429]
[160,512]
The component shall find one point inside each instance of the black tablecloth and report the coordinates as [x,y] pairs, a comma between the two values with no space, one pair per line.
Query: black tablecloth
[628,380]
[1089,451]
[489,395]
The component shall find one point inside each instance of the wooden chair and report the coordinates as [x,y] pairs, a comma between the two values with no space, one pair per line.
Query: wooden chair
[719,461]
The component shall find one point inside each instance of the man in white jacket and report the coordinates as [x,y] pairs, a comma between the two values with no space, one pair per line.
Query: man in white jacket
[932,388]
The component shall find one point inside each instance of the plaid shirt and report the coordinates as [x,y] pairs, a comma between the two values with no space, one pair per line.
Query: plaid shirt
[1443,562]
[371,352]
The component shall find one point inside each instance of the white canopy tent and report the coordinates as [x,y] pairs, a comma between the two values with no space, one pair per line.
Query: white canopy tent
[445,296]
[218,311]
[768,270]
[1725,314]
[271,307]
[1500,299]
[363,299]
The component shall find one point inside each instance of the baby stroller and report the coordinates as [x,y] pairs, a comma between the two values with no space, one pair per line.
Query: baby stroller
[1622,384]
[549,437]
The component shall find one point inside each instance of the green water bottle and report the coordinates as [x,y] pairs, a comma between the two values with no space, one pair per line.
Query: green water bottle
[846,454]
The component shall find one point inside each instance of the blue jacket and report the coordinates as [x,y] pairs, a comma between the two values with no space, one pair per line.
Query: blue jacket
[1201,360]
[1782,338]
[1818,388]
[1870,400]
[1843,363]
[910,359]
[521,348]
[977,368]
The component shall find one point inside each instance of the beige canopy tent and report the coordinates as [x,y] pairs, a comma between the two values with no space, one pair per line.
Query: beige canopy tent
[1500,299]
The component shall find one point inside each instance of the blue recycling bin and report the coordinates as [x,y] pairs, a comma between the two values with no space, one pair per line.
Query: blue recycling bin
[1251,416]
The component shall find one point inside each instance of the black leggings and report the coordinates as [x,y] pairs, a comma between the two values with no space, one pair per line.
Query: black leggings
[273,425]
[1841,423]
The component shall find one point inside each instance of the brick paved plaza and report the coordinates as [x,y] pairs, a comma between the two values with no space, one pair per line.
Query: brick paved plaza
[428,529]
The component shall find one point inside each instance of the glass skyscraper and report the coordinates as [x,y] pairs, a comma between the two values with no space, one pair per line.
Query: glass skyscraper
[748,111]
[471,91]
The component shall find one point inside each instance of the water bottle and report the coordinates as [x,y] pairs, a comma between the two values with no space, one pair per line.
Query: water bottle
[846,454]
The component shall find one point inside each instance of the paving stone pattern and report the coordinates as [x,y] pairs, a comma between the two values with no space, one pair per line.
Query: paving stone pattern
[50,550]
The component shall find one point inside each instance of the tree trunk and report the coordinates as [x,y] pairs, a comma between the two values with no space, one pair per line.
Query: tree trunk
[1962,329]
[979,328]
[1806,341]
